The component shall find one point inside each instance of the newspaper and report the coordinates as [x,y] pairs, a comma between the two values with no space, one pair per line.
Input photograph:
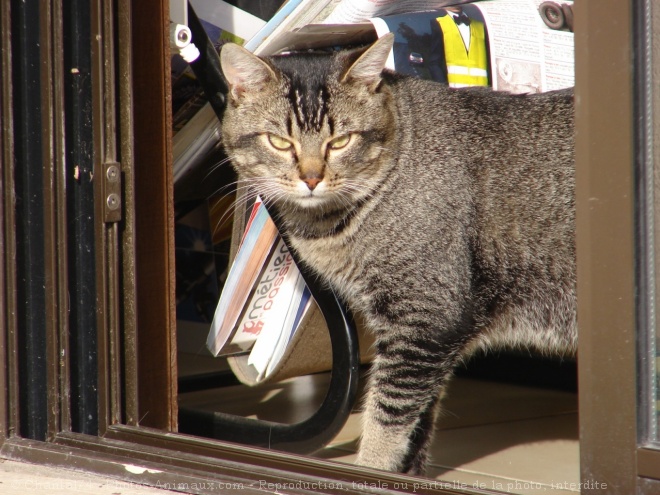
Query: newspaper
[354,11]
[526,55]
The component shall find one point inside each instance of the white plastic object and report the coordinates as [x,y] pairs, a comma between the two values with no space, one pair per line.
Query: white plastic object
[181,42]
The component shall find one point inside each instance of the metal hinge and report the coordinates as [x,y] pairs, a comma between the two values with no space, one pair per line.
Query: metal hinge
[112,197]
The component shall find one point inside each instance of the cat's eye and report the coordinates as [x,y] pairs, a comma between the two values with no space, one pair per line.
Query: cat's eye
[339,142]
[279,143]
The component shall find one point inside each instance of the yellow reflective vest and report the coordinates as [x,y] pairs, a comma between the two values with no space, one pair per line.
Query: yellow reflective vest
[464,67]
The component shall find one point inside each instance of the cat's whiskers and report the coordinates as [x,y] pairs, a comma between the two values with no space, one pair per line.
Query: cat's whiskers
[237,186]
[253,187]
[239,202]
[242,200]
[217,165]
[363,190]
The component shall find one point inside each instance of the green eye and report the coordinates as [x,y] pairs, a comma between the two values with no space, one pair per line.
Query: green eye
[279,143]
[339,142]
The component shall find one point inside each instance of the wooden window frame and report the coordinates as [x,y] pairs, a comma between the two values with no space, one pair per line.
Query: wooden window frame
[615,117]
[137,347]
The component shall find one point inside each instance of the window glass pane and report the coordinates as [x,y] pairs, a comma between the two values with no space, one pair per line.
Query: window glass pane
[653,153]
[648,216]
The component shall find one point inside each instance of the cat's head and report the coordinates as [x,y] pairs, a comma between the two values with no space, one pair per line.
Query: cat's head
[312,131]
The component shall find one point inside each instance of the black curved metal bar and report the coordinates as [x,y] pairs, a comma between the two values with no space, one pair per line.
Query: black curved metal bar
[316,431]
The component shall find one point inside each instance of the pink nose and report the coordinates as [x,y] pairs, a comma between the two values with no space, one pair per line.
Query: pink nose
[312,182]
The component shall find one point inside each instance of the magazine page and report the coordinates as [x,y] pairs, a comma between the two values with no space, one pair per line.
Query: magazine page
[293,14]
[291,325]
[526,54]
[245,270]
[220,17]
[285,296]
[265,306]
[354,11]
[325,36]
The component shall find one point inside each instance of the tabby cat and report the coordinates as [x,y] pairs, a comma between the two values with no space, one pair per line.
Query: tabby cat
[444,216]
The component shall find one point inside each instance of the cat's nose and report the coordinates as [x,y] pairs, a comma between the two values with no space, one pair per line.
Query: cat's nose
[311,170]
[312,182]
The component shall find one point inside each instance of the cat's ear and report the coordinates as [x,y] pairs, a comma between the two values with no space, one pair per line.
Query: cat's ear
[243,70]
[368,67]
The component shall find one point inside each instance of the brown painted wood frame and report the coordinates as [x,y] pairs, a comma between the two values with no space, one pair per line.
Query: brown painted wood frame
[615,77]
[154,215]
[137,365]
[605,243]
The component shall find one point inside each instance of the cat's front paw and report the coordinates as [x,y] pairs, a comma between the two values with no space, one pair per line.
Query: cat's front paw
[382,462]
[415,465]
[397,457]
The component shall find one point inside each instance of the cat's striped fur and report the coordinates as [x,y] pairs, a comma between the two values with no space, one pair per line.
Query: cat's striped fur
[445,217]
